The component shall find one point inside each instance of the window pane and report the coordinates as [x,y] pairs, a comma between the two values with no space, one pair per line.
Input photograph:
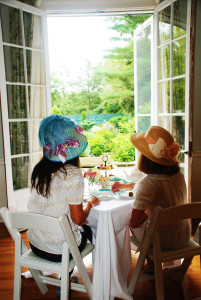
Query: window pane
[32,30]
[179,57]
[144,123]
[35,67]
[178,95]
[144,71]
[164,62]
[37,103]
[34,128]
[19,138]
[164,97]
[20,172]
[180,15]
[11,25]
[17,108]
[164,28]
[164,122]
[178,123]
[14,63]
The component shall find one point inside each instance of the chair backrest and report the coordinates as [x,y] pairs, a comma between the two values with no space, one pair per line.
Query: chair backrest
[26,220]
[162,217]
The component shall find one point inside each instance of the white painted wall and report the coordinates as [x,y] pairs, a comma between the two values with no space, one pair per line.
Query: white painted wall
[196,158]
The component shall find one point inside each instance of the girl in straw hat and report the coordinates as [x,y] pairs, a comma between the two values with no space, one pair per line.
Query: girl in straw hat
[57,185]
[163,184]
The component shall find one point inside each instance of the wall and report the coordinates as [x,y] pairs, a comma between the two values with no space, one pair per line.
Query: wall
[196,158]
[3,195]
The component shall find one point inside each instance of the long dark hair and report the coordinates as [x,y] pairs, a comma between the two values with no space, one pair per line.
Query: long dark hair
[42,173]
[148,166]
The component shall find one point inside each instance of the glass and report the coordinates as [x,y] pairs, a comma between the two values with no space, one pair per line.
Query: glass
[35,67]
[144,122]
[180,16]
[14,64]
[164,121]
[32,30]
[11,25]
[178,125]
[178,95]
[144,71]
[179,57]
[164,62]
[17,107]
[164,97]
[164,25]
[20,171]
[181,157]
[37,102]
[19,138]
[34,129]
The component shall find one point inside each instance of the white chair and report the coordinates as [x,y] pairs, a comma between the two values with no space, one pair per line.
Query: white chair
[151,247]
[25,257]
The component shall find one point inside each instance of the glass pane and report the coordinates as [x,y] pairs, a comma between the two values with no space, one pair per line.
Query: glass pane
[32,30]
[19,138]
[20,172]
[179,57]
[178,123]
[180,15]
[37,103]
[35,67]
[178,95]
[144,123]
[17,108]
[34,128]
[14,63]
[164,26]
[164,121]
[164,97]
[144,71]
[181,157]
[11,25]
[164,62]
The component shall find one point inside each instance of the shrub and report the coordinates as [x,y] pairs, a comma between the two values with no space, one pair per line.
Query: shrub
[87,124]
[123,149]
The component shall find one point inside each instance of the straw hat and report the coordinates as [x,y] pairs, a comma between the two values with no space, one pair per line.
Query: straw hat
[61,138]
[158,145]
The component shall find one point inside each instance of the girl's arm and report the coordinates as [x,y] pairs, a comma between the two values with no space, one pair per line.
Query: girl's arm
[138,217]
[80,212]
[117,186]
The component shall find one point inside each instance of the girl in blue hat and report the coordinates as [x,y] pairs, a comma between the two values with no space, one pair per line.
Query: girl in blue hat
[57,185]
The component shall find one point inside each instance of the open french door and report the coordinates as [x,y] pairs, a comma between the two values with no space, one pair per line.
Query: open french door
[162,71]
[25,93]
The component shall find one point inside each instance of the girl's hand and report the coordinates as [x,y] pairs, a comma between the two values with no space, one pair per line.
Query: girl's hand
[94,200]
[116,187]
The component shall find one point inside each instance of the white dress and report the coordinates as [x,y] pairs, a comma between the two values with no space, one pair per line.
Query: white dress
[63,191]
[165,191]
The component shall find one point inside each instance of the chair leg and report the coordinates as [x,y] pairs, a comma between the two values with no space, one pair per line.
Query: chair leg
[159,279]
[136,273]
[41,285]
[183,269]
[17,282]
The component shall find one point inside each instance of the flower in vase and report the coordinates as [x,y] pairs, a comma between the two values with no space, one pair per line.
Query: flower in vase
[93,175]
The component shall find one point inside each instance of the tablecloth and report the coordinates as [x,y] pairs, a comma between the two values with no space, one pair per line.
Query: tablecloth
[112,255]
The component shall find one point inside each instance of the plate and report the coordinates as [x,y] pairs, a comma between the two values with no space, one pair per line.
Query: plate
[115,179]
[125,195]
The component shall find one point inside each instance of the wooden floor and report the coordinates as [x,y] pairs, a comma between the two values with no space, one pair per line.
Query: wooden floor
[190,289]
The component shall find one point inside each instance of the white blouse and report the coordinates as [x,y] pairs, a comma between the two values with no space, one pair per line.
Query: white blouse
[165,191]
[63,191]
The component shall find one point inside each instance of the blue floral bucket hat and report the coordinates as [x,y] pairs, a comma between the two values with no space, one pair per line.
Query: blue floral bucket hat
[61,138]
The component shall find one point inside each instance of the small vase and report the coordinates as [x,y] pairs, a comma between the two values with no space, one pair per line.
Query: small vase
[93,188]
